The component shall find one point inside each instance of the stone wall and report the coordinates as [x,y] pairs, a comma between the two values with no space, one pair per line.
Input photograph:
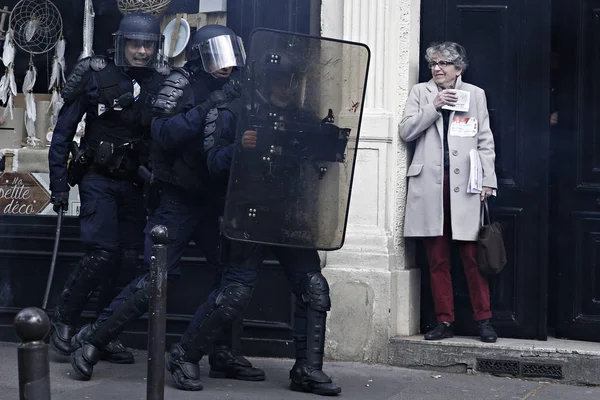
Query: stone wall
[375,290]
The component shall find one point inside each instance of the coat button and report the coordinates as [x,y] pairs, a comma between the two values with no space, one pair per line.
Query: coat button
[456,171]
[456,189]
[454,152]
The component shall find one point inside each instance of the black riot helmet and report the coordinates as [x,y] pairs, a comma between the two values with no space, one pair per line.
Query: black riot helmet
[138,41]
[282,69]
[281,76]
[217,47]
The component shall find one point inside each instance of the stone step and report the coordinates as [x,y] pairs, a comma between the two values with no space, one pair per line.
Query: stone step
[565,361]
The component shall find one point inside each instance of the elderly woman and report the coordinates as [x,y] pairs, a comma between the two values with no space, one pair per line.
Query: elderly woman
[439,208]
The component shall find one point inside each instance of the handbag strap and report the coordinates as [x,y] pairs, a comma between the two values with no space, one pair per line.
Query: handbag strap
[482,215]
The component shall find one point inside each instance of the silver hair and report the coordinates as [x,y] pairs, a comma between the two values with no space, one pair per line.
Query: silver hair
[450,51]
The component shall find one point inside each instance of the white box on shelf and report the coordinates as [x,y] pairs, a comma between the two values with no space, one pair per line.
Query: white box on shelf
[210,6]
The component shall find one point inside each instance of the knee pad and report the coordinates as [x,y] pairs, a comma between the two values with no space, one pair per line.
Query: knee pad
[89,270]
[102,256]
[316,292]
[232,301]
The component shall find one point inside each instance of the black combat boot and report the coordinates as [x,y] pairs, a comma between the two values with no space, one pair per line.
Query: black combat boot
[183,358]
[307,373]
[185,372]
[116,353]
[84,278]
[60,341]
[306,378]
[60,338]
[85,354]
[224,364]
[89,343]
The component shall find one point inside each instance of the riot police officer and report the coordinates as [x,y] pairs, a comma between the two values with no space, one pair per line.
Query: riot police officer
[115,95]
[302,266]
[190,201]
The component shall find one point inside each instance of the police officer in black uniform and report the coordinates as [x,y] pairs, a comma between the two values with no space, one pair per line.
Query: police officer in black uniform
[302,266]
[190,200]
[116,96]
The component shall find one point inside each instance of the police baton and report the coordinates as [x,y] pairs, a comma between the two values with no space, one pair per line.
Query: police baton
[54,256]
[157,314]
[74,149]
[32,325]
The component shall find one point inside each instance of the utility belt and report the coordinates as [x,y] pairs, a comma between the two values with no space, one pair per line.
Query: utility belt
[114,161]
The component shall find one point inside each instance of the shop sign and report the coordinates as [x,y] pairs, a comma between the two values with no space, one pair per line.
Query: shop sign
[22,194]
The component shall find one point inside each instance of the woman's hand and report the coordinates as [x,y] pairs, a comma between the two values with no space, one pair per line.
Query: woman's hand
[249,139]
[486,192]
[445,97]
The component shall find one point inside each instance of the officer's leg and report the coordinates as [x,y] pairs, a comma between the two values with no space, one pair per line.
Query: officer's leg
[312,303]
[131,219]
[222,307]
[98,220]
[115,352]
[133,300]
[223,360]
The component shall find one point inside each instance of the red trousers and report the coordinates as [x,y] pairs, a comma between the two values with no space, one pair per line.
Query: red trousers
[438,255]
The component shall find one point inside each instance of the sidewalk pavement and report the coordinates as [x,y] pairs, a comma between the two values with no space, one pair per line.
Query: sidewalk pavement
[358,381]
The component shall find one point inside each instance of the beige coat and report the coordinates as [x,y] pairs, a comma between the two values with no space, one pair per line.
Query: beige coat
[422,123]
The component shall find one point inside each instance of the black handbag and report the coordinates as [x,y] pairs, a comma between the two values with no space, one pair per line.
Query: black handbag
[491,254]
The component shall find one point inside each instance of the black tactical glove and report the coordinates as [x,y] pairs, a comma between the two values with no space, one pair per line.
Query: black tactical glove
[230,91]
[217,97]
[233,89]
[60,199]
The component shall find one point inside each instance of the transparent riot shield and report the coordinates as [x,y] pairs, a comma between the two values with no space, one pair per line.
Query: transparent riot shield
[291,174]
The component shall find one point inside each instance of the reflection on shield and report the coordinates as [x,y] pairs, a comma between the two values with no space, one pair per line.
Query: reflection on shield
[303,95]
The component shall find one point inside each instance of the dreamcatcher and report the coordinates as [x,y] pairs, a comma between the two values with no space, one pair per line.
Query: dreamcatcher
[36,27]
[8,86]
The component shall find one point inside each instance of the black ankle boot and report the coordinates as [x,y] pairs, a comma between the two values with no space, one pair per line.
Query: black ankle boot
[183,358]
[85,355]
[60,338]
[224,364]
[185,373]
[441,331]
[116,353]
[306,379]
[307,373]
[487,333]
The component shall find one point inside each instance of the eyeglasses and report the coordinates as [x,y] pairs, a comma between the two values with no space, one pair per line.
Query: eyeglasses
[441,64]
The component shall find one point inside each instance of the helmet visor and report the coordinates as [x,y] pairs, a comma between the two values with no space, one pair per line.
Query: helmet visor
[222,52]
[137,50]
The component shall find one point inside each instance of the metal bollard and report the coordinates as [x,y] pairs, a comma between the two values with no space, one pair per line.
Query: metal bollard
[157,315]
[32,325]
